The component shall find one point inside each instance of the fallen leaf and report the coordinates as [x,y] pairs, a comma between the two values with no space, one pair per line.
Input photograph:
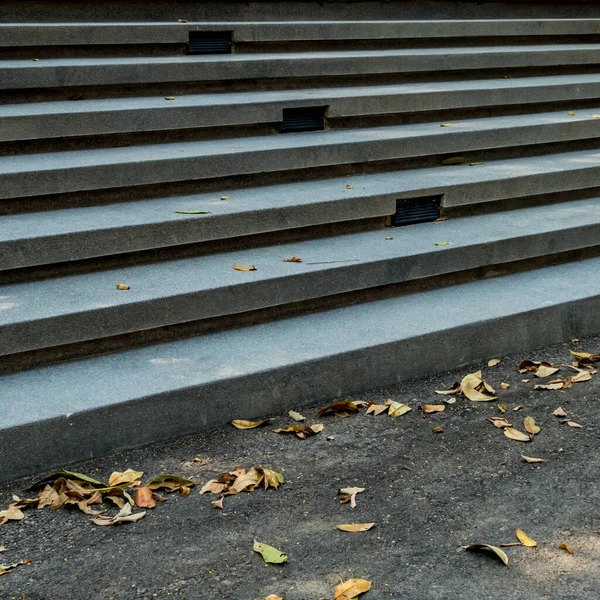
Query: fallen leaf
[244,267]
[571,113]
[351,589]
[486,547]
[585,357]
[455,389]
[269,554]
[376,409]
[558,385]
[565,547]
[171,483]
[330,438]
[559,412]
[531,459]
[389,237]
[516,435]
[355,527]
[432,408]
[122,286]
[545,371]
[446,125]
[525,539]
[144,498]
[196,459]
[12,513]
[397,409]
[341,408]
[455,160]
[193,212]
[476,164]
[504,386]
[582,375]
[302,431]
[476,389]
[451,400]
[169,97]
[296,415]
[530,426]
[537,367]
[437,430]
[442,243]
[573,424]
[349,495]
[243,424]
[499,422]
[127,478]
[519,407]
[293,259]
[494,362]
[218,503]
[124,516]
[502,408]
[182,20]
[317,427]
[224,197]
[4,569]
[2,548]
[274,597]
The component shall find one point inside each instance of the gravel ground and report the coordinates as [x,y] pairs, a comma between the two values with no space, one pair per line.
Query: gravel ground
[428,493]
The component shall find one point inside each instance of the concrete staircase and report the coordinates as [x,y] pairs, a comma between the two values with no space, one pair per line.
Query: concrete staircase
[109,130]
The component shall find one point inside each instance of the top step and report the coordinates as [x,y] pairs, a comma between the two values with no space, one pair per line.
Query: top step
[76,34]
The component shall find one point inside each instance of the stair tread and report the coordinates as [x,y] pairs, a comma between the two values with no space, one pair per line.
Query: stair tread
[104,382]
[88,306]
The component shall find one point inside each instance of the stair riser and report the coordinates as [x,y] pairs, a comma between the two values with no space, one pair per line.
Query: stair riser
[197,408]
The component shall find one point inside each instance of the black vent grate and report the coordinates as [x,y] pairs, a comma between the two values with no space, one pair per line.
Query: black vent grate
[210,42]
[303,119]
[416,210]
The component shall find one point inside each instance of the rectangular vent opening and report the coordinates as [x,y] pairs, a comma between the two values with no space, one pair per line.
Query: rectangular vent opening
[210,42]
[303,119]
[410,211]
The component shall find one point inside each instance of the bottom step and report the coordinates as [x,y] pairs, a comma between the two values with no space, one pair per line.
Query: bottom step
[56,415]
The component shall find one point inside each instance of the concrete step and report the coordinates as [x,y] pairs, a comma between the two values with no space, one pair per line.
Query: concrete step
[32,239]
[52,173]
[102,404]
[75,34]
[88,306]
[43,120]
[67,72]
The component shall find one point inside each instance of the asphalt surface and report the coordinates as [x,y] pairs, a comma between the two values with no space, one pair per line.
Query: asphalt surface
[428,493]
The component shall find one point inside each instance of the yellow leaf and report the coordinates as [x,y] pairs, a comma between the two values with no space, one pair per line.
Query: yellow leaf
[431,408]
[504,386]
[573,424]
[475,389]
[530,426]
[243,267]
[293,259]
[559,412]
[355,527]
[455,160]
[349,187]
[243,424]
[397,409]
[129,477]
[476,164]
[565,547]
[571,113]
[296,415]
[545,371]
[169,97]
[446,125]
[442,243]
[269,554]
[582,375]
[340,408]
[122,286]
[494,362]
[530,459]
[274,597]
[516,435]
[499,422]
[349,495]
[351,589]
[585,357]
[497,551]
[377,409]
[525,539]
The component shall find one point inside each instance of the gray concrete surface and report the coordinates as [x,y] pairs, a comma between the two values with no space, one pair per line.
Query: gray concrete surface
[43,120]
[98,405]
[53,34]
[30,239]
[55,172]
[77,308]
[65,72]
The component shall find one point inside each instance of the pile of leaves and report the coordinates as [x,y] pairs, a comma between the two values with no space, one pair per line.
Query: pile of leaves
[473,386]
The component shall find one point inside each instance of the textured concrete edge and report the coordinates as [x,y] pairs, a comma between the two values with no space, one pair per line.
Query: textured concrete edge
[54,443]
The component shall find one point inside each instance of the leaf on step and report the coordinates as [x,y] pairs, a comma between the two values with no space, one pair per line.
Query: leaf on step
[355,527]
[389,237]
[559,412]
[224,197]
[446,125]
[574,425]
[571,113]
[122,286]
[525,539]
[455,160]
[192,212]
[539,368]
[12,513]
[2,548]
[514,434]
[565,547]
[244,267]
[351,589]
[432,408]
[293,259]
[494,362]
[530,426]
[476,164]
[144,498]
[124,516]
[582,375]
[269,553]
[349,495]
[317,427]
[128,478]
[397,409]
[182,20]
[243,424]
[499,422]
[531,459]
[486,547]
[169,97]
[4,569]
[341,408]
[476,389]
[545,371]
[349,187]
[442,243]
[296,415]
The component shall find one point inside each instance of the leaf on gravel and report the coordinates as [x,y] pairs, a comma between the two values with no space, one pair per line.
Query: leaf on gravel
[293,259]
[192,212]
[504,386]
[455,389]
[559,412]
[12,513]
[502,408]
[2,548]
[455,160]
[296,415]
[499,422]
[302,431]
[530,426]
[494,362]
[243,424]
[144,498]
[573,424]
[545,371]
[126,478]
[525,539]
[244,267]
[349,495]
[355,527]
[582,375]
[514,434]
[432,408]
[584,358]
[518,407]
[376,409]
[124,516]
[553,385]
[397,409]
[341,408]
[273,597]
[218,503]
[122,286]
[4,569]
[565,547]
[351,589]
[476,389]
[171,483]
[67,475]
[438,430]
[486,547]
[451,400]
[531,459]
[269,554]
[534,365]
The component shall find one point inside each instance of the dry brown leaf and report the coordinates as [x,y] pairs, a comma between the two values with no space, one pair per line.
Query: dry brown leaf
[214,486]
[129,478]
[273,597]
[144,498]
[169,97]
[525,539]
[351,589]
[218,503]
[244,267]
[585,357]
[376,409]
[565,547]
[573,424]
[582,375]
[182,20]
[2,548]
[530,426]
[504,386]
[531,459]
[455,389]
[499,422]
[438,430]
[349,495]
[450,400]
[293,259]
[296,415]
[514,434]
[124,516]
[497,551]
[476,389]
[12,513]
[397,409]
[302,431]
[224,197]
[502,408]
[432,408]
[341,408]
[349,187]
[122,286]
[556,385]
[519,407]
[243,424]
[4,569]
[545,371]
[355,527]
[534,365]
[559,412]
[494,362]
[317,427]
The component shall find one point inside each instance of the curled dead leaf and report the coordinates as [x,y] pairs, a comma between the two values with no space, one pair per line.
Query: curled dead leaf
[301,431]
[455,389]
[518,407]
[531,459]
[124,516]
[585,357]
[504,386]
[553,385]
[567,548]
[349,495]
[293,259]
[376,409]
[574,425]
[499,422]
[4,569]
[494,362]
[432,408]
[559,412]
[487,547]
[244,267]
[516,435]
[476,389]
[243,424]
[351,589]
[355,527]
[442,243]
[144,498]
[296,415]
[397,409]
[122,286]
[438,430]
[530,426]
[341,408]
[218,503]
[129,478]
[525,539]
[224,197]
